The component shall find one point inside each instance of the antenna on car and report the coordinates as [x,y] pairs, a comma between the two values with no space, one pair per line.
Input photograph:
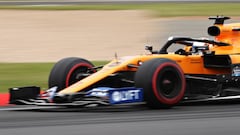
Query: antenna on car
[219,19]
[116,57]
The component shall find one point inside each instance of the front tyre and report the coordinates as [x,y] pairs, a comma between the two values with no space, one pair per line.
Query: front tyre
[163,82]
[68,71]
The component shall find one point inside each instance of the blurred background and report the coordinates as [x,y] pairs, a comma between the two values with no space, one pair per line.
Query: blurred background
[48,30]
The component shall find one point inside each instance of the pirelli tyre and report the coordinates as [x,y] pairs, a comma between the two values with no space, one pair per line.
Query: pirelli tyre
[68,71]
[163,82]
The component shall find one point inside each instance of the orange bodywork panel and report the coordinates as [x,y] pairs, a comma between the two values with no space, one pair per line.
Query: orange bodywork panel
[121,64]
[190,64]
[229,33]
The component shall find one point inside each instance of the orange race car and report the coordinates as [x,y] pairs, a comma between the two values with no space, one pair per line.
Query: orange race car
[184,69]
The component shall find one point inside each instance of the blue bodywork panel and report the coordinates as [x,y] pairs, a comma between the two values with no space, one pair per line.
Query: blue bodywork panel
[118,95]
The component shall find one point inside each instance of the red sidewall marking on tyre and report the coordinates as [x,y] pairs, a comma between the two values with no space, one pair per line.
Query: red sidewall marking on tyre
[73,68]
[161,98]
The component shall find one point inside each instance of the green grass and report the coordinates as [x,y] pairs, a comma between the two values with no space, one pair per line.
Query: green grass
[159,9]
[26,74]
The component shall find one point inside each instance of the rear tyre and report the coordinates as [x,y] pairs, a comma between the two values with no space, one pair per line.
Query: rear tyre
[163,82]
[68,71]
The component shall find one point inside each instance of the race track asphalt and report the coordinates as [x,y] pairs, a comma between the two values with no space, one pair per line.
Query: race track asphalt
[214,119]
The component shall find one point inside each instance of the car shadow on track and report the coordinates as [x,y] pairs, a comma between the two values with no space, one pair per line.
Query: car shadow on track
[104,109]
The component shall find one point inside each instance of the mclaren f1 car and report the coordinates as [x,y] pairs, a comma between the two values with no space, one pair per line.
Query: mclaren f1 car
[184,69]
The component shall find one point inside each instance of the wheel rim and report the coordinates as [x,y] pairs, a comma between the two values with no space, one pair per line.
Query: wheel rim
[168,84]
[77,72]
[170,77]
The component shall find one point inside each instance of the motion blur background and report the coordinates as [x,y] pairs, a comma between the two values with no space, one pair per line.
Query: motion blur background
[48,30]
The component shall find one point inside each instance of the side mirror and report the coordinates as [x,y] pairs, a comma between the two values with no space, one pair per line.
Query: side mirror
[149,48]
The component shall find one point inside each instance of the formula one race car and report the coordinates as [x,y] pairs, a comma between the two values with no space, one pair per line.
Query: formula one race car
[184,69]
